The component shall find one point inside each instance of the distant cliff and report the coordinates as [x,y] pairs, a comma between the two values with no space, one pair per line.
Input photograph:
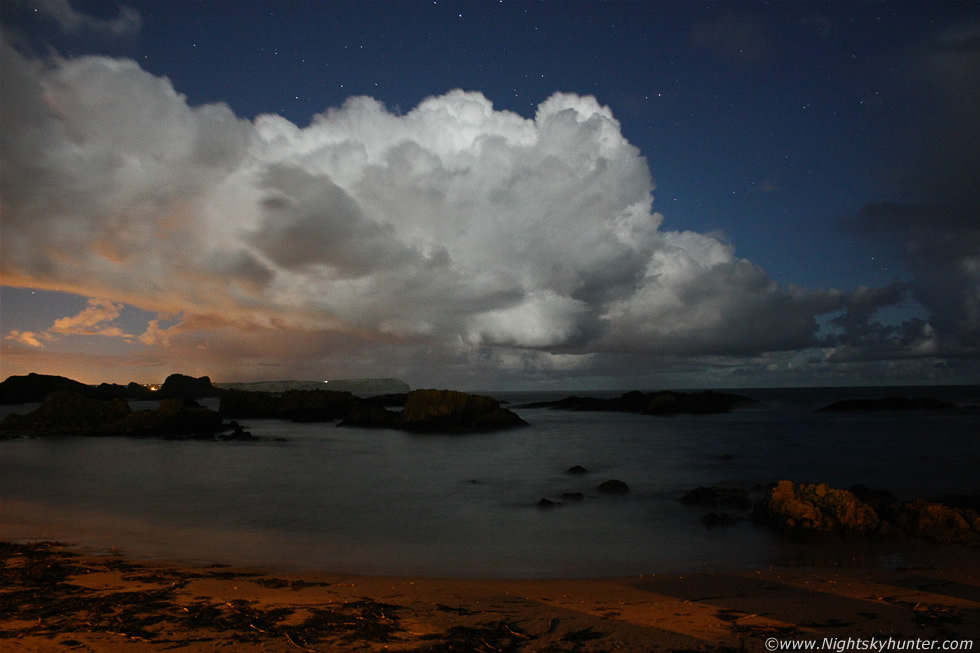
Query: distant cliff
[354,386]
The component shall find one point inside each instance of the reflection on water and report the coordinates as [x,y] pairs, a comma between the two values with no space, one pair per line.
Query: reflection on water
[387,502]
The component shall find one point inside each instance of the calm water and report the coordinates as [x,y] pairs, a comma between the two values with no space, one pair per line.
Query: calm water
[387,502]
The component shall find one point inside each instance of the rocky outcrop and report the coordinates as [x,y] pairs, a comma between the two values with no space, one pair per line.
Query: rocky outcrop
[72,413]
[370,414]
[935,522]
[174,418]
[180,386]
[130,391]
[654,403]
[818,511]
[449,410]
[35,387]
[294,405]
[68,412]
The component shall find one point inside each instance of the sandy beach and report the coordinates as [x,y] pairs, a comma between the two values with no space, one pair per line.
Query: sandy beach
[55,598]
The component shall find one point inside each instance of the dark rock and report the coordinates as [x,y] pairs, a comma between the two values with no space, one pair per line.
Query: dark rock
[936,522]
[888,404]
[391,400]
[248,404]
[295,405]
[577,469]
[735,498]
[614,486]
[547,503]
[881,500]
[315,405]
[116,391]
[67,412]
[573,496]
[452,411]
[370,414]
[180,386]
[70,413]
[35,387]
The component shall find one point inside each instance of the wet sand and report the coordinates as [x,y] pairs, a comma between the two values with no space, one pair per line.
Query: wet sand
[56,598]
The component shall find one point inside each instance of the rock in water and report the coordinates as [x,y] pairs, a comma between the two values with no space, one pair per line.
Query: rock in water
[614,486]
[65,412]
[449,410]
[816,510]
[180,386]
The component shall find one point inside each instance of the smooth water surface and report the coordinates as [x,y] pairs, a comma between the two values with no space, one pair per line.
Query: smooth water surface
[387,502]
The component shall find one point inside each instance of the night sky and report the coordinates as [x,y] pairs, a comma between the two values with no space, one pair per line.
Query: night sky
[492,195]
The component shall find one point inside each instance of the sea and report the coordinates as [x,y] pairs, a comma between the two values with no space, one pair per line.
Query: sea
[320,497]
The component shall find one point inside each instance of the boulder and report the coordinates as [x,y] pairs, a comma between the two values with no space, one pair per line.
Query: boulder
[449,410]
[35,387]
[614,486]
[547,503]
[180,386]
[577,469]
[809,511]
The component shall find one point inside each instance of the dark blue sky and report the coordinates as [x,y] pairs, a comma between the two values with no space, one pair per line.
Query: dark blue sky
[774,127]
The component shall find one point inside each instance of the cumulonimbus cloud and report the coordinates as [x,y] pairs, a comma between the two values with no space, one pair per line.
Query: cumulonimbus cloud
[456,225]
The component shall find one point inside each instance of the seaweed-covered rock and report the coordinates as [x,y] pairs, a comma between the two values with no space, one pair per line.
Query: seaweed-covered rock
[449,410]
[816,511]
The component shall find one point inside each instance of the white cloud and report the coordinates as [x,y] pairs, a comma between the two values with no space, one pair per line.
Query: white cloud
[453,229]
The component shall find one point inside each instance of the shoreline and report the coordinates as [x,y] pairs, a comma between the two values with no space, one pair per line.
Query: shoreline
[55,594]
